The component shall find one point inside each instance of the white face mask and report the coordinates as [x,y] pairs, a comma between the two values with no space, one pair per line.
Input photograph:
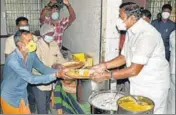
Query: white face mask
[24,28]
[48,39]
[165,15]
[121,25]
[55,15]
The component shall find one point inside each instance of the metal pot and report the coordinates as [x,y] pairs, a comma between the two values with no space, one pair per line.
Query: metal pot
[122,110]
[100,110]
[86,87]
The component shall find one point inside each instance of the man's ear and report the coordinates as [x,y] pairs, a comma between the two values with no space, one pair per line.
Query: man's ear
[19,44]
[133,18]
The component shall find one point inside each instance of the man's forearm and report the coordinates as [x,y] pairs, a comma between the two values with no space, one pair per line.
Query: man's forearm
[131,71]
[116,62]
[72,14]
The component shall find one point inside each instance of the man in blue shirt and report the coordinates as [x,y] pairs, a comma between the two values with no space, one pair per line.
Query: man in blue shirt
[18,73]
[165,26]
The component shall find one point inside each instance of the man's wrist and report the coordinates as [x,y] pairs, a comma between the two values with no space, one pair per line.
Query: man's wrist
[111,75]
[105,65]
[108,75]
[58,74]
[68,5]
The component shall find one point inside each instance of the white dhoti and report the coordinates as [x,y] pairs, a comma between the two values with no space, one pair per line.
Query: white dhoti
[171,97]
[158,96]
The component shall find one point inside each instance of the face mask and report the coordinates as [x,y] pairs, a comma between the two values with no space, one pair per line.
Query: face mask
[165,15]
[55,15]
[48,39]
[31,46]
[121,25]
[24,28]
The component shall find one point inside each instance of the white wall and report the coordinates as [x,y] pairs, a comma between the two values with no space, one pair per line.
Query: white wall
[110,35]
[3,31]
[84,34]
[3,19]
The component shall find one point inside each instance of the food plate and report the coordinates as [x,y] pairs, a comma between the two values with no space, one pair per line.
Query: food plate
[78,73]
[74,65]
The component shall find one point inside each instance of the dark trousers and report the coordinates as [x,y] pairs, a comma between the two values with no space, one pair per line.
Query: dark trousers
[167,55]
[42,99]
[31,98]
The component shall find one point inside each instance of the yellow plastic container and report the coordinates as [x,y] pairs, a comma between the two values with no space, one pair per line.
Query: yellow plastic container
[83,58]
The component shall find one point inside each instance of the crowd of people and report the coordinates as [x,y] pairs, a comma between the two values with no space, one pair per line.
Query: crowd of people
[33,73]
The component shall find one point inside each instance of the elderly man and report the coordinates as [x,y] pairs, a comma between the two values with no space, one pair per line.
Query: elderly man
[50,14]
[49,53]
[18,73]
[165,26]
[143,53]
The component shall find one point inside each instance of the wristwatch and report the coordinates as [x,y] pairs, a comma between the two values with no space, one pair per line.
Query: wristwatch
[111,77]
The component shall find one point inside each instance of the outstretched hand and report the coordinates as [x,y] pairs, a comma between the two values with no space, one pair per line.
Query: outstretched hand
[99,77]
[62,74]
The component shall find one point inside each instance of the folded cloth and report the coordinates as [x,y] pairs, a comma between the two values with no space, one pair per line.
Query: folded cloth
[67,102]
[9,109]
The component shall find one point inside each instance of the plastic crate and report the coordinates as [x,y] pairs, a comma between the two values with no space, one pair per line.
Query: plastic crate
[84,58]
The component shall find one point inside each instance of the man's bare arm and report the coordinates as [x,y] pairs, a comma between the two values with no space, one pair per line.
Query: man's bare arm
[71,11]
[116,62]
[131,71]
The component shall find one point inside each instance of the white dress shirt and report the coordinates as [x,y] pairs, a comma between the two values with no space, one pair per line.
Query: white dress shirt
[172,49]
[144,45]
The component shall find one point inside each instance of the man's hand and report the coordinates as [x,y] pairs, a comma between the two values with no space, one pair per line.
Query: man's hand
[62,74]
[53,2]
[100,77]
[100,68]
[58,66]
[66,2]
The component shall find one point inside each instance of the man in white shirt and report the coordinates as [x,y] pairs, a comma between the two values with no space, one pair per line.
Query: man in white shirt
[21,23]
[171,102]
[144,55]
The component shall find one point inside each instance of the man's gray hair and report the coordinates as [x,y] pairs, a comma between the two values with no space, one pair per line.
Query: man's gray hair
[18,34]
[132,8]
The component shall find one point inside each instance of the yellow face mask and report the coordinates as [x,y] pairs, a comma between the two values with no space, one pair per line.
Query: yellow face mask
[31,46]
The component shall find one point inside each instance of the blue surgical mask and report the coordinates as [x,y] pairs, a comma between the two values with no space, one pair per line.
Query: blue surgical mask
[48,39]
[55,15]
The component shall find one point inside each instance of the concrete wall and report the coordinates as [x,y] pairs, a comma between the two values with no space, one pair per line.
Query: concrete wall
[84,34]
[3,19]
[3,31]
[110,36]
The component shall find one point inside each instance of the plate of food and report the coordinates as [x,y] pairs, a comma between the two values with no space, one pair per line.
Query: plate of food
[78,73]
[74,64]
